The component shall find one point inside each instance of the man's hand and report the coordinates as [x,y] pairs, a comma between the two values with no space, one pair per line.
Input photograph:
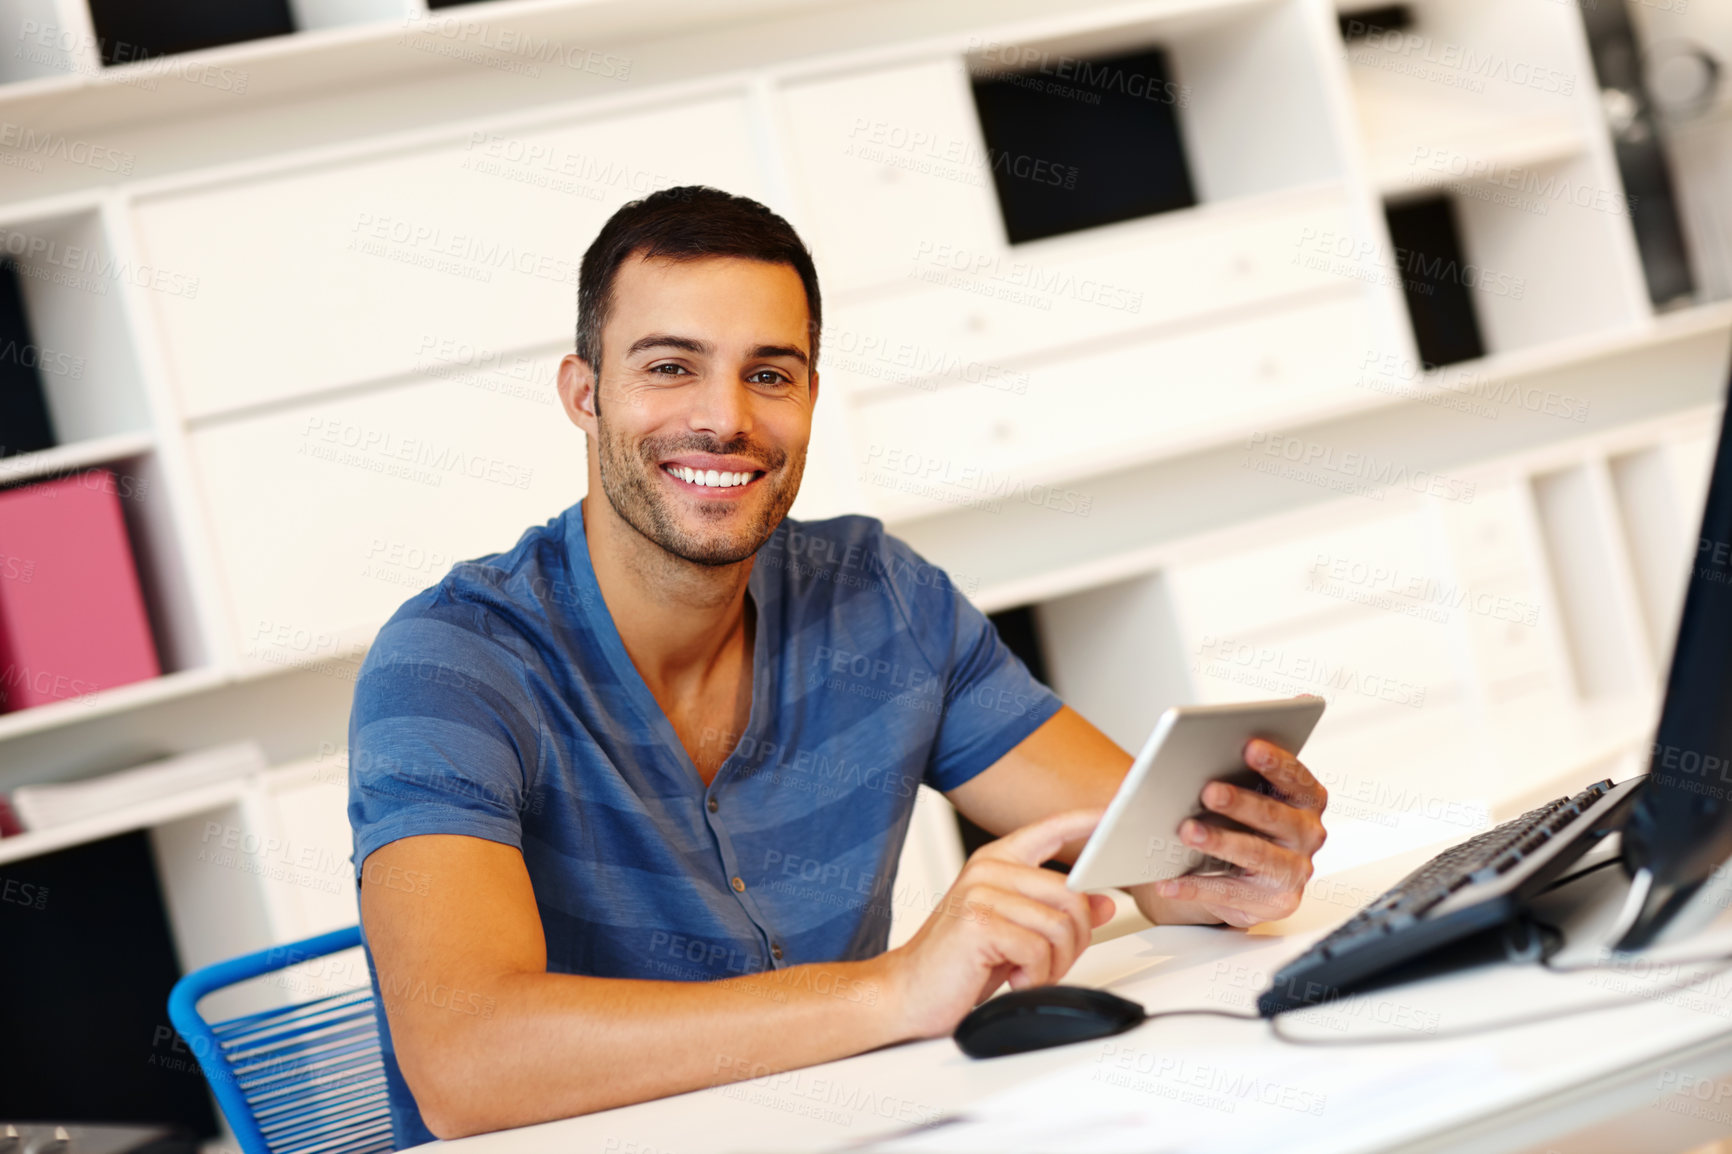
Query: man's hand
[1275,866]
[1003,919]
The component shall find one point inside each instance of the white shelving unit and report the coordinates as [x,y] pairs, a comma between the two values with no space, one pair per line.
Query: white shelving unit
[1469,649]
[318,315]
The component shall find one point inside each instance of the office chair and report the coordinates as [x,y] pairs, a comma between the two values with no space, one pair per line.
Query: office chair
[298,1078]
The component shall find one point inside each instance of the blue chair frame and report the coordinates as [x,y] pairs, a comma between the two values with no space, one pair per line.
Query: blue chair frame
[300,1079]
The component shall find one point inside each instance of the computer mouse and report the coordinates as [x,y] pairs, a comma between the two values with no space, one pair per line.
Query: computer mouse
[1044,1016]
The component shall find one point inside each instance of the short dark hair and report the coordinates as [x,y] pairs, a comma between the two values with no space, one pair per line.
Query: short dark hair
[686,223]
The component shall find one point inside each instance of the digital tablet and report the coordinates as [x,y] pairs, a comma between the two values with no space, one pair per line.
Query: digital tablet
[1138,838]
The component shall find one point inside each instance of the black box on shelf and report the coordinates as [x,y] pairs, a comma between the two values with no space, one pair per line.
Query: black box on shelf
[1368,22]
[85,975]
[128,30]
[1076,143]
[1435,280]
[24,422]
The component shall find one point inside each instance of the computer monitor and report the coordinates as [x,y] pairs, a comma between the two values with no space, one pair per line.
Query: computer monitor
[1680,828]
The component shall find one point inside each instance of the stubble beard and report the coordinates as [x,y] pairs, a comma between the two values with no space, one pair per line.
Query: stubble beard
[642,504]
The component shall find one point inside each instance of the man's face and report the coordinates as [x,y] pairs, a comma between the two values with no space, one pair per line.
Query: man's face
[705,405]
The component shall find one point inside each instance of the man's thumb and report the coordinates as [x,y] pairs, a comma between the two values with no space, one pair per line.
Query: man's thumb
[1101,909]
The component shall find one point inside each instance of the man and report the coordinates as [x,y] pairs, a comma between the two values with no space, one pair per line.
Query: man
[672,735]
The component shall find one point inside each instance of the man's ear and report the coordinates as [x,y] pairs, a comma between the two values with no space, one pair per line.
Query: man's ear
[812,387]
[577,387]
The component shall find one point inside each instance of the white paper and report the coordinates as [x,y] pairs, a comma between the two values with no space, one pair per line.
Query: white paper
[44,806]
[1141,1098]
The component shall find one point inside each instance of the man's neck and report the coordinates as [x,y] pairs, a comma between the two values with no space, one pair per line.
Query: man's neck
[680,621]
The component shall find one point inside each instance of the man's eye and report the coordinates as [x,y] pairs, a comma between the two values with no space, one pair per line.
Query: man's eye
[775,377]
[669,365]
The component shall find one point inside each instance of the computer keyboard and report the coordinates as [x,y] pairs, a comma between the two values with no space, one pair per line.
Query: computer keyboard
[1470,887]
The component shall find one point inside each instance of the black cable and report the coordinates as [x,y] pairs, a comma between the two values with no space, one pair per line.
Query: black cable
[1202,1013]
[1551,945]
[1582,873]
[1606,965]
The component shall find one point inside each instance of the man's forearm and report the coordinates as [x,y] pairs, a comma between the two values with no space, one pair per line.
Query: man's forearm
[528,1047]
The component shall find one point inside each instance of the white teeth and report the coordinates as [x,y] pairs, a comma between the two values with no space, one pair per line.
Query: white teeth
[709,478]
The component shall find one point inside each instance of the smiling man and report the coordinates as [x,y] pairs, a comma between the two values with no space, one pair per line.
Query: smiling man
[628,798]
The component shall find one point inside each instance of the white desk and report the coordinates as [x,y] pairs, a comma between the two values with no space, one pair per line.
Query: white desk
[1625,1076]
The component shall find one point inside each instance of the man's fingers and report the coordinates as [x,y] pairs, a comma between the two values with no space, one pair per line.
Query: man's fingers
[1101,909]
[1271,864]
[1033,844]
[1234,900]
[993,980]
[1287,774]
[1295,828]
[1011,917]
[1045,886]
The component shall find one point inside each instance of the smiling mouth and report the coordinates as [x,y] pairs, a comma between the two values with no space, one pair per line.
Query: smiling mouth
[713,479]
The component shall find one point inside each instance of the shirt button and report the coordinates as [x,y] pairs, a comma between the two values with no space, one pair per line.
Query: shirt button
[714,805]
[739,886]
[776,952]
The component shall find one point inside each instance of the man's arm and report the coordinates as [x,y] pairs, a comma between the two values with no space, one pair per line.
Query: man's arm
[487,1038]
[1067,763]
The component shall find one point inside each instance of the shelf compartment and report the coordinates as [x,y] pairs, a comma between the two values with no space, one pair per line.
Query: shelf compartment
[312,14]
[134,474]
[75,616]
[1567,247]
[73,281]
[1252,109]
[888,158]
[46,39]
[1594,592]
[1481,68]
[135,32]
[1546,255]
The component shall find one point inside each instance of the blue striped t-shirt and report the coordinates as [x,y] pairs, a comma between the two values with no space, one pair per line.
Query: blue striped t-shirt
[501,704]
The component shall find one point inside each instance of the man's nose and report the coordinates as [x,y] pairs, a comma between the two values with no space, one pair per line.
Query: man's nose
[721,406]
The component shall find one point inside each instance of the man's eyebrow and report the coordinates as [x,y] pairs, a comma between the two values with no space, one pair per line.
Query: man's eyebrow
[704,348]
[669,341]
[781,351]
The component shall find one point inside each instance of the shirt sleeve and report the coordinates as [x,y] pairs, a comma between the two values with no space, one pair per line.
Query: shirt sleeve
[991,700]
[443,735]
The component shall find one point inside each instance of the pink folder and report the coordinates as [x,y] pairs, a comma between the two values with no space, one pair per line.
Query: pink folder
[72,616]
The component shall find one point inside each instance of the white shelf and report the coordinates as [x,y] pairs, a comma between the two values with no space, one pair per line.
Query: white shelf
[442,45]
[161,811]
[1419,142]
[1688,335]
[67,458]
[103,702]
